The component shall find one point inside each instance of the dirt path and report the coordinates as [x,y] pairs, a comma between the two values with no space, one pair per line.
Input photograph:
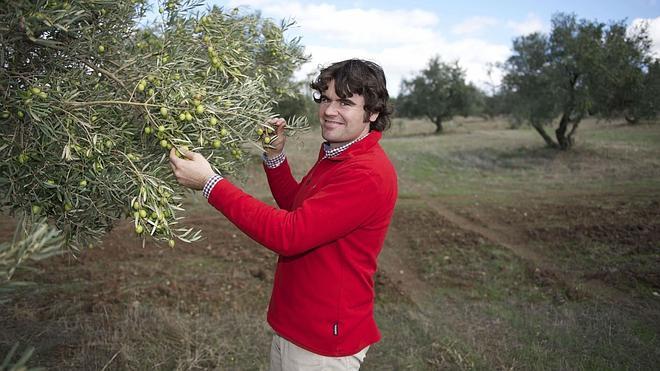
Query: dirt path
[394,263]
[514,240]
[398,267]
[495,232]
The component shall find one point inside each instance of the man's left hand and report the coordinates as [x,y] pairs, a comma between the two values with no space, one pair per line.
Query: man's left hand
[192,171]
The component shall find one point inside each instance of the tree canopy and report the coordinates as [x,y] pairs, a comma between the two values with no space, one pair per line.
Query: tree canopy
[439,92]
[92,102]
[581,68]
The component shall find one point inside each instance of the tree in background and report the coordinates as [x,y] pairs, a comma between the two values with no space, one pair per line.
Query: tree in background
[581,68]
[648,105]
[438,93]
[630,87]
[92,103]
[527,83]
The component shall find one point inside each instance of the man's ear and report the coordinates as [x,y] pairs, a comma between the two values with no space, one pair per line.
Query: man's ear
[373,117]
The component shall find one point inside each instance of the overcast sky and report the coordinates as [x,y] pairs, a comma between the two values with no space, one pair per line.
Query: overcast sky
[403,35]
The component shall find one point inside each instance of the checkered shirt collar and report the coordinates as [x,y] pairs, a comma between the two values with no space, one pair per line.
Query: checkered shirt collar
[334,152]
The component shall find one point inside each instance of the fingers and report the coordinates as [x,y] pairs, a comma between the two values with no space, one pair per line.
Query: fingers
[173,159]
[190,155]
[279,124]
[280,127]
[187,155]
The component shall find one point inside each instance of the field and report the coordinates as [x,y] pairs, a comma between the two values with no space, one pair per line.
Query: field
[502,254]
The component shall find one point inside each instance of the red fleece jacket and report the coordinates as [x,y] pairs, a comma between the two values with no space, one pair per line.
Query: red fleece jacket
[328,232]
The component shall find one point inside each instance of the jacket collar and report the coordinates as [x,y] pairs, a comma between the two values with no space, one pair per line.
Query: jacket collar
[355,148]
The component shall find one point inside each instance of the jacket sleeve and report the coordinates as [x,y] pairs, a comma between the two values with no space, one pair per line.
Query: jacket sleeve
[282,185]
[332,212]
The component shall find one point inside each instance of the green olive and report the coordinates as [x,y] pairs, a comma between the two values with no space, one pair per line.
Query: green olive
[36,209]
[23,158]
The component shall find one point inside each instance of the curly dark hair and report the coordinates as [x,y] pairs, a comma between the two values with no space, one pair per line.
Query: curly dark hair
[357,76]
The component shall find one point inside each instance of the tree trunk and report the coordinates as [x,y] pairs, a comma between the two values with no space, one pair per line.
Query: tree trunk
[632,120]
[548,140]
[438,125]
[575,123]
[565,142]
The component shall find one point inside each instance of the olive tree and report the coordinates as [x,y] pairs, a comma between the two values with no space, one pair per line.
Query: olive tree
[631,86]
[91,103]
[438,92]
[581,68]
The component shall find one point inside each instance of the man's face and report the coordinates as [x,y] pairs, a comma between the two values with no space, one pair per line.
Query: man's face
[342,119]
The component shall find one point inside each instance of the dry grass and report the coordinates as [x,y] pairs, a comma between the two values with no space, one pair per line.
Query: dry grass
[592,211]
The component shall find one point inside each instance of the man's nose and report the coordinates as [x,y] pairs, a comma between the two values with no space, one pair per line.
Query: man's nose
[331,109]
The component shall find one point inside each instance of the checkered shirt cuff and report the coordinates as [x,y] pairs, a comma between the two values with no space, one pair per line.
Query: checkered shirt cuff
[208,187]
[274,162]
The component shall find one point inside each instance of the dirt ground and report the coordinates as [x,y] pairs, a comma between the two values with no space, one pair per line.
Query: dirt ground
[441,260]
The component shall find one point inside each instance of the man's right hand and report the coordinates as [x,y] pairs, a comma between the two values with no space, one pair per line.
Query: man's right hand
[278,144]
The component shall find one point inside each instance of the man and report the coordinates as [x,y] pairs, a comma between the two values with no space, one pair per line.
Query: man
[329,228]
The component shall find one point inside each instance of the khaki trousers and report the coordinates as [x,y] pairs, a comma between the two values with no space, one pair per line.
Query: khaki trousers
[286,356]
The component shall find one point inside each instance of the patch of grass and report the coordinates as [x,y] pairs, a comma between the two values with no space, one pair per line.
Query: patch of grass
[413,342]
[634,135]
[157,338]
[503,164]
[576,336]
[592,211]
